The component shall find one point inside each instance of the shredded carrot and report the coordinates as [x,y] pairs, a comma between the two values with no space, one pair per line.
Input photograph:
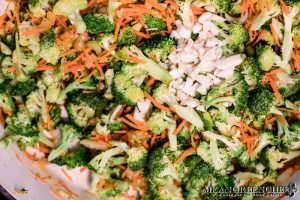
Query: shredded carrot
[71,51]
[150,82]
[154,137]
[56,194]
[269,121]
[66,175]
[136,126]
[135,180]
[248,128]
[290,110]
[179,128]
[136,60]
[284,7]
[156,103]
[197,10]
[145,144]
[185,154]
[18,158]
[118,27]
[193,143]
[249,139]
[28,156]
[271,80]
[1,116]
[143,35]
[260,37]
[44,68]
[275,71]
[35,30]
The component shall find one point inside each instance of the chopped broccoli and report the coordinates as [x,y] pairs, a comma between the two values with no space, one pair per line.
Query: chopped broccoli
[158,48]
[158,122]
[144,63]
[184,137]
[288,85]
[6,100]
[23,88]
[265,56]
[76,158]
[127,36]
[250,69]
[38,8]
[154,23]
[80,113]
[70,135]
[219,158]
[49,51]
[275,159]
[98,23]
[22,141]
[265,15]
[261,101]
[114,126]
[21,124]
[30,41]
[137,158]
[265,138]
[238,148]
[70,9]
[234,34]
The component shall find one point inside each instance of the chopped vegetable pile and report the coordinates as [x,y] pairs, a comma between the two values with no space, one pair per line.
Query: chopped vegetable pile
[158,99]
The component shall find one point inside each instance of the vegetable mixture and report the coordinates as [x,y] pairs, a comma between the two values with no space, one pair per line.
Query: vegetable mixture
[157,98]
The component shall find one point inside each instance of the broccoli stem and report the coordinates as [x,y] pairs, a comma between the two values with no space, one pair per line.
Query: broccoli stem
[221,138]
[172,137]
[190,115]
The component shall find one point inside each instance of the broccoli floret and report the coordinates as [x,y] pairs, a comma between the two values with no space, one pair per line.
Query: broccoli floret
[100,162]
[50,81]
[49,50]
[98,23]
[88,84]
[137,158]
[55,115]
[125,91]
[288,85]
[154,23]
[261,101]
[275,159]
[296,32]
[23,88]
[160,167]
[158,48]
[265,138]
[237,87]
[76,158]
[80,113]
[162,95]
[234,8]
[6,100]
[30,41]
[38,7]
[265,15]
[265,56]
[219,158]
[114,126]
[36,104]
[127,36]
[70,9]
[21,124]
[184,137]
[202,176]
[157,122]
[22,141]
[93,100]
[70,135]
[234,34]
[238,148]
[152,68]
[188,165]
[250,69]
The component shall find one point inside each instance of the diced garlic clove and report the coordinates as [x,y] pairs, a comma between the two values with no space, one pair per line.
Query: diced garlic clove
[197,28]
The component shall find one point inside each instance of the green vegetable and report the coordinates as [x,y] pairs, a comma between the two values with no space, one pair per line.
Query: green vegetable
[127,36]
[154,23]
[97,23]
[137,158]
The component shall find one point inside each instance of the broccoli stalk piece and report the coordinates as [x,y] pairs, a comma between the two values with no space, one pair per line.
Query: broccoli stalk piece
[219,158]
[238,148]
[186,14]
[49,50]
[38,7]
[275,159]
[70,135]
[159,121]
[144,63]
[70,9]
[76,158]
[265,15]
[22,141]
[36,105]
[127,36]
[100,162]
[162,95]
[250,69]
[265,138]
[87,84]
[158,48]
[288,44]
[109,78]
[288,85]
[98,23]
[243,178]
[6,100]
[234,34]
[137,158]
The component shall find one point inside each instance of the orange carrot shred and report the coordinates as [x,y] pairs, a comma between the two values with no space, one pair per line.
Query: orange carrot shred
[179,128]
[290,110]
[185,154]
[150,82]
[66,175]
[139,127]
[156,103]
